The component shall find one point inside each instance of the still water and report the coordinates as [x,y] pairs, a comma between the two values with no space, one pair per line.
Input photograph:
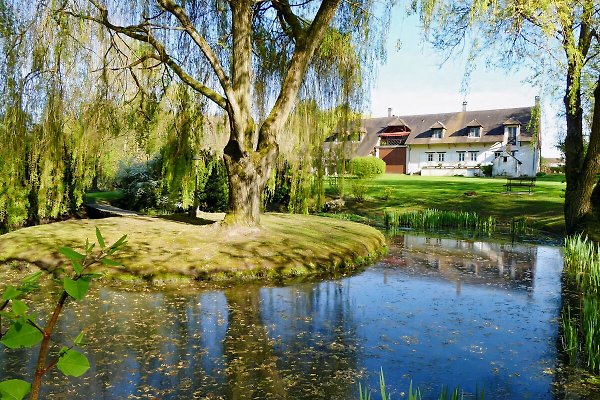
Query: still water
[434,311]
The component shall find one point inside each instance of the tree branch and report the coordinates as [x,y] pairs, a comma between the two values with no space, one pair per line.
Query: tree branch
[284,10]
[143,33]
[303,53]
[187,25]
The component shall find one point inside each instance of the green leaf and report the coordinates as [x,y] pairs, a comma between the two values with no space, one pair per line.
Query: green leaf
[21,334]
[14,389]
[111,263]
[79,339]
[77,289]
[72,363]
[10,293]
[100,239]
[71,254]
[119,242]
[77,267]
[32,278]
[19,307]
[92,275]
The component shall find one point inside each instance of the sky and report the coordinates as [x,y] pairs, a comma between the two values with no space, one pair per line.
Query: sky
[413,81]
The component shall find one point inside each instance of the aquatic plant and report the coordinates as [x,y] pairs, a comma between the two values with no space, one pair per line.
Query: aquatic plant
[581,333]
[518,227]
[436,219]
[25,331]
[569,335]
[415,394]
[582,263]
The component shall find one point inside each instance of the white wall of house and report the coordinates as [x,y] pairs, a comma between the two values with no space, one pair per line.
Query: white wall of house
[445,159]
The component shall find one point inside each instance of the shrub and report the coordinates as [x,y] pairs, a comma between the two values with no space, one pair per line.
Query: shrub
[359,190]
[215,196]
[486,170]
[367,167]
[142,188]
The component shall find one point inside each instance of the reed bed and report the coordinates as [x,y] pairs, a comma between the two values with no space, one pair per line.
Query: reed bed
[415,393]
[437,219]
[581,316]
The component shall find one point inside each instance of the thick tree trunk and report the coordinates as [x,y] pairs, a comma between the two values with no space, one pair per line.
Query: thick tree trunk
[248,174]
[581,167]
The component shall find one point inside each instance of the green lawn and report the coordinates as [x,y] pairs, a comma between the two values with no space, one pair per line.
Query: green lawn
[98,197]
[167,248]
[543,208]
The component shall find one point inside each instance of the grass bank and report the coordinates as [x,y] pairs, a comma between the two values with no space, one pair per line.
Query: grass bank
[543,208]
[166,249]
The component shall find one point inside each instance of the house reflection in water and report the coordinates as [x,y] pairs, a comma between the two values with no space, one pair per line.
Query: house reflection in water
[497,265]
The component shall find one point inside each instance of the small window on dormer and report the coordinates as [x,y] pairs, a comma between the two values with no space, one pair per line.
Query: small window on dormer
[474,132]
[512,134]
[436,134]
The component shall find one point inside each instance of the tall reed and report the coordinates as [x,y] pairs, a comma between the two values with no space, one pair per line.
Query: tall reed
[436,219]
[581,328]
[415,393]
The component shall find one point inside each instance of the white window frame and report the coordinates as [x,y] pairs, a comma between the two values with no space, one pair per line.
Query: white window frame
[461,156]
[437,133]
[473,155]
[430,156]
[474,131]
[509,129]
[441,156]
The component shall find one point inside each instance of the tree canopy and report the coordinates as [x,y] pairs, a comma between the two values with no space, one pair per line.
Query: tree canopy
[559,41]
[86,77]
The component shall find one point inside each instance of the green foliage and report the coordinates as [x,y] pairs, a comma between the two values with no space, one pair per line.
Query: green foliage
[24,329]
[72,363]
[581,317]
[214,196]
[486,170]
[14,389]
[436,219]
[415,393]
[367,167]
[359,190]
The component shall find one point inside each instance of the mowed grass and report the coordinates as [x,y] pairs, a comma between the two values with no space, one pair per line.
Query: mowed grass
[98,197]
[164,249]
[543,208]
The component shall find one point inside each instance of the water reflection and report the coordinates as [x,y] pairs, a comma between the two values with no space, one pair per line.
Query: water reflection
[435,311]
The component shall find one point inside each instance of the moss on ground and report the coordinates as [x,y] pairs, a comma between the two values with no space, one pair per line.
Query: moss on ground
[168,250]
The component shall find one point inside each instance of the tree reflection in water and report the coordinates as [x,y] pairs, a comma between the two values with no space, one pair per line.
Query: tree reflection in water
[437,311]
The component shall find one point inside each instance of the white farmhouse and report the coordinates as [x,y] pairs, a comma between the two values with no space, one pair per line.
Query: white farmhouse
[458,143]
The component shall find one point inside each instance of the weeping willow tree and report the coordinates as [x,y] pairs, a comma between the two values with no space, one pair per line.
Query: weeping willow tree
[559,41]
[251,61]
[61,132]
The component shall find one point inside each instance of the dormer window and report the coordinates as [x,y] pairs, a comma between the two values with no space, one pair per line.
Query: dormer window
[511,135]
[511,130]
[475,132]
[437,130]
[474,129]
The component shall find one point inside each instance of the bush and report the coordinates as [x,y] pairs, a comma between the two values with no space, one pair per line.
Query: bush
[367,167]
[359,190]
[215,196]
[142,188]
[486,170]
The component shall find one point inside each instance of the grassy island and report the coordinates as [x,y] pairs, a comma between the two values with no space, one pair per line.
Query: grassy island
[169,249]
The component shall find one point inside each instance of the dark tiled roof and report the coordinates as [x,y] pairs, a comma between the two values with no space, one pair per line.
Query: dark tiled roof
[457,125]
[437,125]
[473,124]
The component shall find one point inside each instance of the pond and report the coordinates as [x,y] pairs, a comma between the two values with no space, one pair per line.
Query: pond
[434,311]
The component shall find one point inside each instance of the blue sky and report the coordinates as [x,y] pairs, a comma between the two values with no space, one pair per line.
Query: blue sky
[413,82]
